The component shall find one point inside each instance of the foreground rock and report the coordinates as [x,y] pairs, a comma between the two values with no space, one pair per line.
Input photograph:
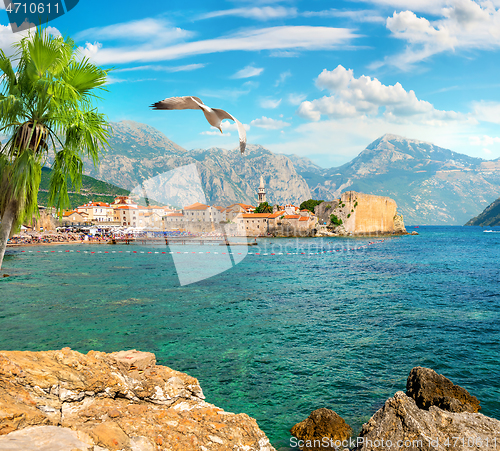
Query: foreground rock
[400,424]
[64,400]
[429,388]
[321,425]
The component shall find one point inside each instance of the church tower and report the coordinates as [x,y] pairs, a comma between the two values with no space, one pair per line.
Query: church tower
[261,193]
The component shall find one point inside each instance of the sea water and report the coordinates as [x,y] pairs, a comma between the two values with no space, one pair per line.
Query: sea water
[277,336]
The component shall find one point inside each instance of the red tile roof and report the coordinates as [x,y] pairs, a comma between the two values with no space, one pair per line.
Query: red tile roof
[277,214]
[128,207]
[196,206]
[95,204]
[292,216]
[304,218]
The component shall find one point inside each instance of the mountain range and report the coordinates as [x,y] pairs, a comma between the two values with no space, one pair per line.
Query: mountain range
[430,184]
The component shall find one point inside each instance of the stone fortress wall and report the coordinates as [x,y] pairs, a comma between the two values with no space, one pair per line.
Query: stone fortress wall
[362,214]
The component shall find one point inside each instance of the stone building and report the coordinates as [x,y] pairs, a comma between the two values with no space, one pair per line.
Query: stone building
[73,217]
[97,211]
[278,223]
[198,212]
[235,209]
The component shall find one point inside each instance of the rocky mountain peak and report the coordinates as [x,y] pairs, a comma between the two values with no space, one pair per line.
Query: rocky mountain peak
[394,147]
[132,137]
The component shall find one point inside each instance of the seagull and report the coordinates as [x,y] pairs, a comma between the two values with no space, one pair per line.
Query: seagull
[214,115]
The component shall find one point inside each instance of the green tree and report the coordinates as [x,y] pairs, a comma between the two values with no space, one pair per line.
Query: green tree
[46,96]
[264,207]
[335,220]
[310,204]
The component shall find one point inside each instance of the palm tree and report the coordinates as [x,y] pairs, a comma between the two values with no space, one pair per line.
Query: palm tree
[46,95]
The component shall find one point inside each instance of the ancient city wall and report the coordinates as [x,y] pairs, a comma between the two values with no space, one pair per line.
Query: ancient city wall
[363,214]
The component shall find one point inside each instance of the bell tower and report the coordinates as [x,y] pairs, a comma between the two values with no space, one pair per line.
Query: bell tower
[261,193]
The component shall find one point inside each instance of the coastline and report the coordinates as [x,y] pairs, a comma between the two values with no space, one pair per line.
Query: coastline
[54,243]
[124,400]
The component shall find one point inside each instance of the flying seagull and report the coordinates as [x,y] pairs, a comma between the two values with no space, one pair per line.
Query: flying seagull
[214,115]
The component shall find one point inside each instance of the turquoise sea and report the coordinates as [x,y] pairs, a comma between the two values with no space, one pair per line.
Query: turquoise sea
[278,336]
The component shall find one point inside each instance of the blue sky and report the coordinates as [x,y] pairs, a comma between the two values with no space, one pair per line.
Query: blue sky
[316,78]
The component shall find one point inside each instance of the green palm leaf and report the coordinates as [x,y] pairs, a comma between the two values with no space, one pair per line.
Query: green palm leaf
[46,108]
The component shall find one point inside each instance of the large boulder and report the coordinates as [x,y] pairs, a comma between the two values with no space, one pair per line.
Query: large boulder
[323,427]
[109,402]
[401,424]
[429,388]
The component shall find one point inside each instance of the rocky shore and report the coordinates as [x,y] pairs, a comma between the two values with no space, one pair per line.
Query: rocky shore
[67,401]
[433,415]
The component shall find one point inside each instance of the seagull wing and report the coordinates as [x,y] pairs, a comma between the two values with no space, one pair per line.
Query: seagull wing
[178,103]
[241,130]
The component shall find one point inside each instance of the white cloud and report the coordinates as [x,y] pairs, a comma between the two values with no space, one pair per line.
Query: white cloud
[269,124]
[463,25]
[216,133]
[137,30]
[484,140]
[112,80]
[425,6]
[283,76]
[185,68]
[338,78]
[227,127]
[296,99]
[258,13]
[361,15]
[274,38]
[8,38]
[248,71]
[357,97]
[90,50]
[232,126]
[337,141]
[270,103]
[487,111]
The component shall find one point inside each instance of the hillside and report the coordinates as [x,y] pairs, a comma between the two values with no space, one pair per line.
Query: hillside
[91,190]
[489,217]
